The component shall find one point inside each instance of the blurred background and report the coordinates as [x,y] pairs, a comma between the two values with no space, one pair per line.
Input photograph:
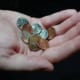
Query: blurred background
[65,70]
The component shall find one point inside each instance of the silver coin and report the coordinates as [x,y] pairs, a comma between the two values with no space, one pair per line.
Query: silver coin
[36,28]
[44,34]
[26,35]
[21,21]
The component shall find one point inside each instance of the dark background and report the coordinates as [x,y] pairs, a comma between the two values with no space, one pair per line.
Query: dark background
[39,8]
[65,70]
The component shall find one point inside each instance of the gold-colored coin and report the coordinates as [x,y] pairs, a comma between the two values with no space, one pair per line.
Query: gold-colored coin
[27,27]
[51,33]
[43,44]
[33,42]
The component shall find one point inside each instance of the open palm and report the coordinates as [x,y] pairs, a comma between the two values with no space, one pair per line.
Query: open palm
[15,55]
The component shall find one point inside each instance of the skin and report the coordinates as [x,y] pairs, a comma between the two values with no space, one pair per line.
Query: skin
[15,55]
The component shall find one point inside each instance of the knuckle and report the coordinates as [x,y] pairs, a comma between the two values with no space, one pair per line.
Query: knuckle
[70,11]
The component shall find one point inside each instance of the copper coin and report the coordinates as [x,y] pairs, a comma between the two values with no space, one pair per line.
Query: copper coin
[51,33]
[33,41]
[43,44]
[27,27]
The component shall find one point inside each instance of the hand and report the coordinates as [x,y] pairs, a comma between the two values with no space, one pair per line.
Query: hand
[67,40]
[15,55]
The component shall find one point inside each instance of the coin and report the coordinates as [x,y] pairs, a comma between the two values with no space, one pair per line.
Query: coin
[25,40]
[27,27]
[21,21]
[43,44]
[26,36]
[51,33]
[44,34]
[36,28]
[33,42]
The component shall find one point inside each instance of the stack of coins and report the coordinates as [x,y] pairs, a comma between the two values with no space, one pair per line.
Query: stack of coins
[33,35]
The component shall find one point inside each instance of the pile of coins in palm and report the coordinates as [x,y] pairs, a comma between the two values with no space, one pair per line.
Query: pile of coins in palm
[34,35]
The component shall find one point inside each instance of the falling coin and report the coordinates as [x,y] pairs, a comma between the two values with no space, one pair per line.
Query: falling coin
[36,28]
[43,44]
[26,36]
[33,43]
[21,21]
[27,27]
[44,34]
[51,33]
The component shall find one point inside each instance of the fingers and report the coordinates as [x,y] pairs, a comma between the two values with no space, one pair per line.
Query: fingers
[22,62]
[57,17]
[72,33]
[56,54]
[12,16]
[67,24]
